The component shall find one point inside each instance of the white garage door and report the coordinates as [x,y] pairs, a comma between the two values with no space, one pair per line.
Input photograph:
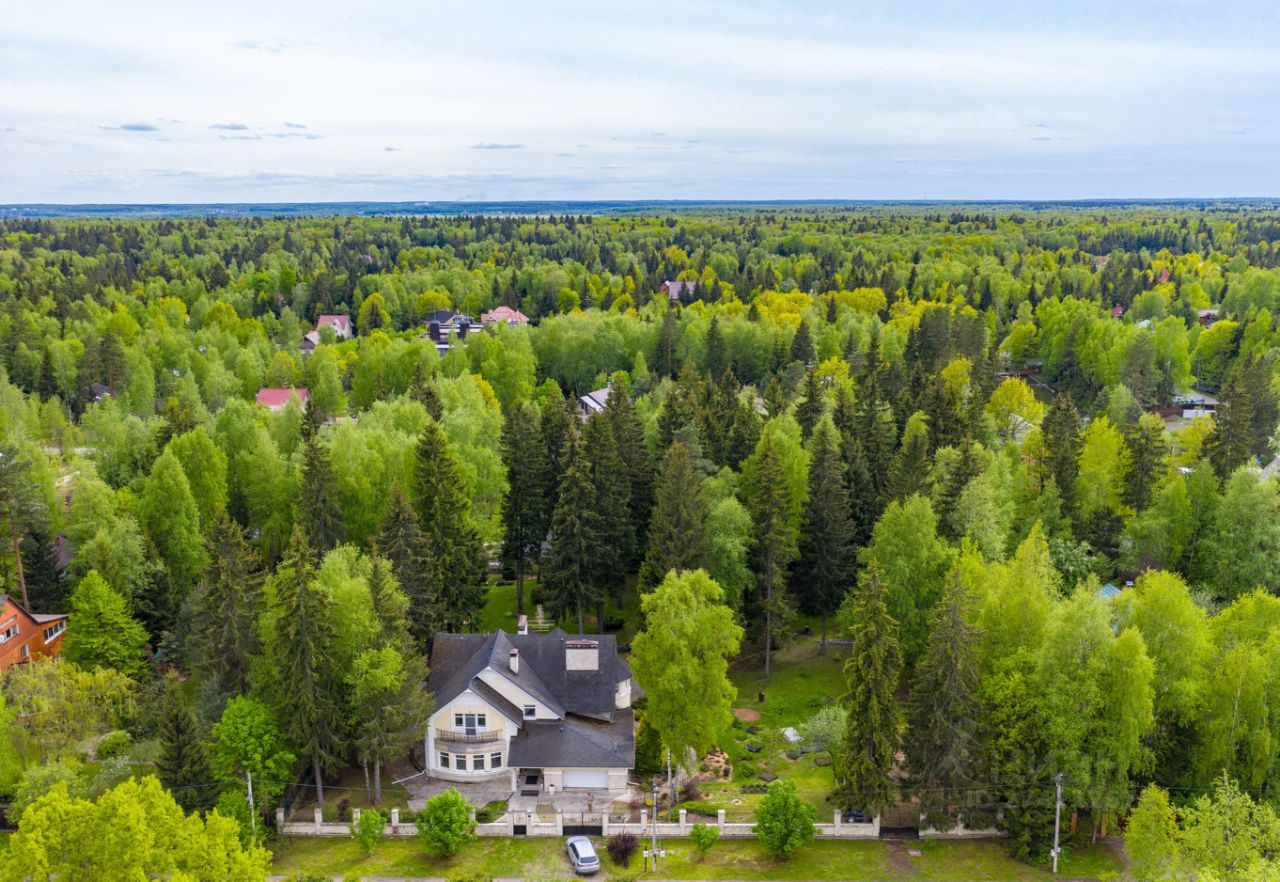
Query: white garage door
[586,779]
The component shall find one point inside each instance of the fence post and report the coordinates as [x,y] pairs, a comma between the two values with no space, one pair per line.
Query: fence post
[280,819]
[317,818]
[355,816]
[604,823]
[395,821]
[839,821]
[875,826]
[720,820]
[683,812]
[644,817]
[559,822]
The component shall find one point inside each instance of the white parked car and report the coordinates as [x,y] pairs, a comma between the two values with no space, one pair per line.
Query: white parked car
[582,854]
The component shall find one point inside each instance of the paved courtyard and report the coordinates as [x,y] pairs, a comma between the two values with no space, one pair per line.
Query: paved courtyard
[421,788]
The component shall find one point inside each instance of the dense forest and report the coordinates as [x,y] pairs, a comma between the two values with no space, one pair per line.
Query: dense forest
[1026,449]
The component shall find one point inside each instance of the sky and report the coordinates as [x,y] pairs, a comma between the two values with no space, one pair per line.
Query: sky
[274,101]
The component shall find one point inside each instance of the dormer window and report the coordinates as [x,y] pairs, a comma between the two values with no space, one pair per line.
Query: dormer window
[530,711]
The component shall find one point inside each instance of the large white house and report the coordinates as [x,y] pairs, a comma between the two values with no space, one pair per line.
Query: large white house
[550,712]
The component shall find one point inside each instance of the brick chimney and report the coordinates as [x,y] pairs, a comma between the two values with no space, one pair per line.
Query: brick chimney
[522,625]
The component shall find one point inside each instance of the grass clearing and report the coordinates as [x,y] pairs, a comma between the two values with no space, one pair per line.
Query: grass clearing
[944,861]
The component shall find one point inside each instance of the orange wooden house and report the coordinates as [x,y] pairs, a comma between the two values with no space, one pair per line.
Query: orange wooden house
[25,636]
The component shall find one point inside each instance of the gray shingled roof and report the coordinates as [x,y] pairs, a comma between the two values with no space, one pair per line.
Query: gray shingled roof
[458,659]
[576,743]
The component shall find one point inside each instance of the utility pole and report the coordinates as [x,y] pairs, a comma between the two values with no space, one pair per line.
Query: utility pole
[253,821]
[1057,820]
[655,823]
[671,787]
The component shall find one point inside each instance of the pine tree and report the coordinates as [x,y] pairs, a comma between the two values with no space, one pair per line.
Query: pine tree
[307,686]
[172,521]
[226,606]
[810,410]
[524,524]
[942,714]
[823,572]
[716,360]
[664,357]
[571,573]
[319,512]
[1147,448]
[183,764]
[864,762]
[451,546]
[677,530]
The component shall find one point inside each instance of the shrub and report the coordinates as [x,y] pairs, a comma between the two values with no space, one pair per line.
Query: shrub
[621,847]
[344,810]
[491,811]
[689,792]
[704,836]
[368,829]
[113,744]
[824,730]
[784,821]
[444,824]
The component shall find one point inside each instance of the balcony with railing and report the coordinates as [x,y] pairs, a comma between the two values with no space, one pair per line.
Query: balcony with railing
[477,736]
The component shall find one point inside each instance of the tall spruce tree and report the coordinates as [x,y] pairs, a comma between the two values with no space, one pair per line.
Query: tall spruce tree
[524,523]
[864,762]
[811,408]
[716,360]
[21,508]
[802,345]
[775,541]
[451,546]
[558,430]
[226,606]
[677,529]
[318,508]
[612,486]
[306,685]
[942,714]
[183,764]
[571,574]
[1231,444]
[628,435]
[823,571]
[911,464]
[1061,429]
[400,543]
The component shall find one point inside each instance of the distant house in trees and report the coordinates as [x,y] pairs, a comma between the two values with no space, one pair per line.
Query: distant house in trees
[1206,317]
[503,315]
[25,636]
[1117,311]
[546,712]
[593,402]
[277,399]
[99,392]
[679,292]
[341,325]
[444,325]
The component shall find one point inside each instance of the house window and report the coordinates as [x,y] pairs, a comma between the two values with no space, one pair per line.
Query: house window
[469,724]
[530,711]
[460,762]
[444,760]
[477,763]
[9,633]
[54,630]
[495,760]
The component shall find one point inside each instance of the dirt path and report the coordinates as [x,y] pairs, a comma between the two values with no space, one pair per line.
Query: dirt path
[898,860]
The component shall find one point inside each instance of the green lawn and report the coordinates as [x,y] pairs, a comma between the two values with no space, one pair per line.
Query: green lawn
[801,682]
[500,609]
[740,859]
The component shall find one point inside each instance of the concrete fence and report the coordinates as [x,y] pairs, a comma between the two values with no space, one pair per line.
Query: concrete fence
[537,826]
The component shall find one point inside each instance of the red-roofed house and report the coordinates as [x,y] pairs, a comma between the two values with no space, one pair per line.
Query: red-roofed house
[1117,311]
[503,315]
[341,325]
[277,399]
[25,636]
